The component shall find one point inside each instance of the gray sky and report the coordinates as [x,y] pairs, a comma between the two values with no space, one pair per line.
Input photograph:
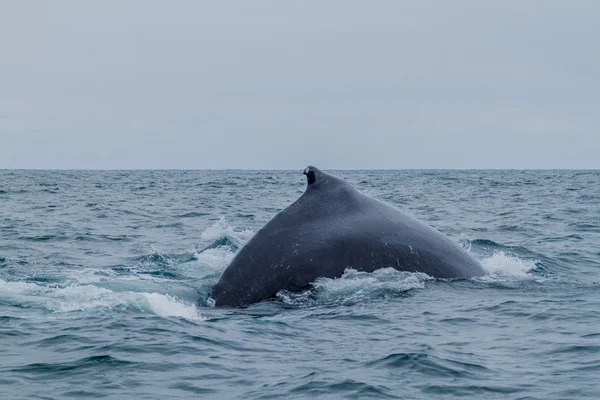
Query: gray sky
[284,84]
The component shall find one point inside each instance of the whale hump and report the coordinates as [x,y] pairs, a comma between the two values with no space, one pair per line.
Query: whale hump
[331,227]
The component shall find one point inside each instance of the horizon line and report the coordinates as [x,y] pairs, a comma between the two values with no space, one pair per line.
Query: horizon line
[300,169]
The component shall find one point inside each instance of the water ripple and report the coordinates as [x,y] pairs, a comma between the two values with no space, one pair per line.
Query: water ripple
[105,279]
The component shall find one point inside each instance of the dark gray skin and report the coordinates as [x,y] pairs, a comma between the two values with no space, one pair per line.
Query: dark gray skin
[331,227]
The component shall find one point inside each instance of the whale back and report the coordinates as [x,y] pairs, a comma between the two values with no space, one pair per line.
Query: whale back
[331,227]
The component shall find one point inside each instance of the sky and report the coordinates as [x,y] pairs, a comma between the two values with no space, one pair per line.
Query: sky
[339,84]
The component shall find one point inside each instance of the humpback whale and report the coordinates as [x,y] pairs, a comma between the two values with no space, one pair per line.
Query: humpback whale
[330,228]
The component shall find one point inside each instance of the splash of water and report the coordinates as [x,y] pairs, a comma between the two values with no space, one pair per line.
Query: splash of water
[76,298]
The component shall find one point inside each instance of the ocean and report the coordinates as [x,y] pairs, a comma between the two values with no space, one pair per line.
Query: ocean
[105,279]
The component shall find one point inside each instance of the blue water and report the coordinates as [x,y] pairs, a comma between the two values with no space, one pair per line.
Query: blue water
[105,276]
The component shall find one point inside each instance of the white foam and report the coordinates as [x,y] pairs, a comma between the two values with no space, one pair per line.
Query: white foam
[501,264]
[88,276]
[217,258]
[80,298]
[356,286]
[353,281]
[89,297]
[222,229]
[9,288]
[170,306]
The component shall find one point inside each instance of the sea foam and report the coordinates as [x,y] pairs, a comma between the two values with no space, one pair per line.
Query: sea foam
[77,298]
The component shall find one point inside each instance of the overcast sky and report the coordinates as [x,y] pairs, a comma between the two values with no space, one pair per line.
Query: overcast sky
[284,84]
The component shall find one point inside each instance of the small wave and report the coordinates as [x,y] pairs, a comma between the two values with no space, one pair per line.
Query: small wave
[84,364]
[501,264]
[158,258]
[471,391]
[502,260]
[485,242]
[357,286]
[348,388]
[77,298]
[429,364]
[505,269]
[169,275]
[511,228]
[216,259]
[88,237]
[223,241]
[82,276]
[43,238]
[170,306]
[192,214]
[585,226]
[14,191]
[484,246]
[221,233]
[170,225]
[119,238]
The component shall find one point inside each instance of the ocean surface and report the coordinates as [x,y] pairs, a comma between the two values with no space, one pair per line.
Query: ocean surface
[105,280]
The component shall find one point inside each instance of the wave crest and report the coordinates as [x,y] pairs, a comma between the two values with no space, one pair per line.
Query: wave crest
[77,298]
[357,286]
[502,264]
[221,234]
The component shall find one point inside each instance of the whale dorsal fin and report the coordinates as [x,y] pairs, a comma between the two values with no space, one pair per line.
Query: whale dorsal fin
[313,174]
